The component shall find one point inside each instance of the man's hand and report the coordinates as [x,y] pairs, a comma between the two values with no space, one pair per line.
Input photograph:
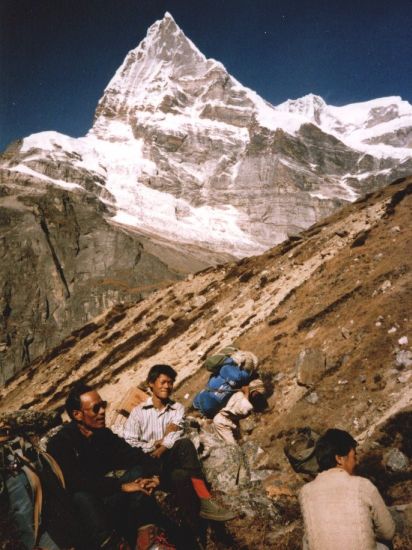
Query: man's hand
[159,442]
[157,453]
[171,428]
[151,483]
[145,485]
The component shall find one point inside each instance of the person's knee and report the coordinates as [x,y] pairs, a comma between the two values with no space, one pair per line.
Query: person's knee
[179,476]
[184,444]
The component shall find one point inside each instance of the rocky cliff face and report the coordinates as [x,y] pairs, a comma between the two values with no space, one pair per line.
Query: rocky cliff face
[327,313]
[62,263]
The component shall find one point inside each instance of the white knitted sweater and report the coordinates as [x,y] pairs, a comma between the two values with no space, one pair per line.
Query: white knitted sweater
[344,512]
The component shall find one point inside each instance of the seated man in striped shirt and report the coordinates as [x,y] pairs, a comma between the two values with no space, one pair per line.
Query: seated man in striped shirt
[156,427]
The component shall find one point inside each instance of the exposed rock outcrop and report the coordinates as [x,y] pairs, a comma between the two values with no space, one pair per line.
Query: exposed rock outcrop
[62,264]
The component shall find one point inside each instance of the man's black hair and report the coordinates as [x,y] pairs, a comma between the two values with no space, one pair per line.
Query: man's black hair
[259,401]
[73,402]
[333,442]
[157,370]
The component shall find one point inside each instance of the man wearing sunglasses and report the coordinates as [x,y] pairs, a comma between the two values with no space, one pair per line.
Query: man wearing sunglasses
[112,506]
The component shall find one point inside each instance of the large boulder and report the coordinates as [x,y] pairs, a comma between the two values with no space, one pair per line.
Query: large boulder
[310,367]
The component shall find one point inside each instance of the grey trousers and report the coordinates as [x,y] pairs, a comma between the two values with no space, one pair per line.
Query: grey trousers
[21,507]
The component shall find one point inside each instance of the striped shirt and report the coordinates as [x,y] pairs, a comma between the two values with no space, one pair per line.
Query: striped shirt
[146,425]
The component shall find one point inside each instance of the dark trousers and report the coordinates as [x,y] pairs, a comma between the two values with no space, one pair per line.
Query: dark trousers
[120,512]
[179,465]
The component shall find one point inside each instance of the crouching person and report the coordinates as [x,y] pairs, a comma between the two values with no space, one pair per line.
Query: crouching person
[235,372]
[156,427]
[112,510]
[342,511]
[239,406]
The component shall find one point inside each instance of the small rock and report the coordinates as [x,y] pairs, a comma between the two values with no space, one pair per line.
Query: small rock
[3,347]
[345,332]
[385,285]
[342,382]
[378,324]
[186,395]
[263,279]
[402,378]
[176,316]
[403,341]
[404,358]
[311,333]
[396,461]
[249,424]
[362,378]
[312,398]
[199,301]
[392,330]
[395,229]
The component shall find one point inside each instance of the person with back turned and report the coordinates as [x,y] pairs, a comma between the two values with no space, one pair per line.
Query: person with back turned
[342,511]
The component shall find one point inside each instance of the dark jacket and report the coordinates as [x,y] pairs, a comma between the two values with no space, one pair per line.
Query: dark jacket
[85,460]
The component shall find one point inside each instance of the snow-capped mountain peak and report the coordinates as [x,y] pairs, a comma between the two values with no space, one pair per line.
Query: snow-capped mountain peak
[150,76]
[381,127]
[182,150]
[167,42]
[311,106]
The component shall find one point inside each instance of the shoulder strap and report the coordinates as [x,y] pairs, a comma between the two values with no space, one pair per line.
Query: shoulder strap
[54,465]
[35,485]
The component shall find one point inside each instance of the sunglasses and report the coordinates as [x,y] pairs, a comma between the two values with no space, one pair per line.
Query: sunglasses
[96,407]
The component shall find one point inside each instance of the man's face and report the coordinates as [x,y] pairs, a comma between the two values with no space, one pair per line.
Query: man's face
[93,411]
[162,387]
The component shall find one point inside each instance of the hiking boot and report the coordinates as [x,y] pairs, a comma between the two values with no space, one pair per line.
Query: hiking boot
[146,536]
[212,511]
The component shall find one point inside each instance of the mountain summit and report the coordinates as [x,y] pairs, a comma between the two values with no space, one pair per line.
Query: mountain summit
[146,76]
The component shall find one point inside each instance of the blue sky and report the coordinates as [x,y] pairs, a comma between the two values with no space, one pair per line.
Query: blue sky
[57,56]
